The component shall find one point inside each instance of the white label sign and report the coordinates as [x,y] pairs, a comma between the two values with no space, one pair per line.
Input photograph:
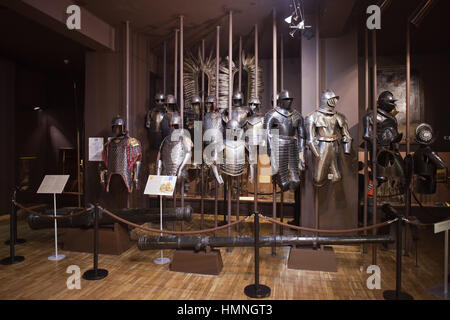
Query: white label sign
[95,149]
[53,184]
[160,185]
[442,226]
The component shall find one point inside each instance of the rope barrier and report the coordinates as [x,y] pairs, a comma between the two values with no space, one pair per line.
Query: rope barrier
[376,226]
[79,213]
[173,232]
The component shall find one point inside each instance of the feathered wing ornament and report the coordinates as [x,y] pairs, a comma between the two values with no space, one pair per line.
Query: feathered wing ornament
[223,83]
[249,65]
[193,68]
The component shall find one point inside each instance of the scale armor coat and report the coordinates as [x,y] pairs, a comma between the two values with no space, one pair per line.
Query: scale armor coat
[323,128]
[173,154]
[234,159]
[284,151]
[120,156]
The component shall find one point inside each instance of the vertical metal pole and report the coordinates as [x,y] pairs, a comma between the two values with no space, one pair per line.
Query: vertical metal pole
[56,226]
[230,93]
[238,201]
[127,74]
[446,265]
[255,182]
[202,168]
[274,92]
[230,62]
[216,206]
[398,278]
[12,231]
[366,161]
[217,64]
[281,63]
[175,77]
[281,211]
[408,122]
[240,64]
[374,141]
[165,69]
[96,241]
[182,102]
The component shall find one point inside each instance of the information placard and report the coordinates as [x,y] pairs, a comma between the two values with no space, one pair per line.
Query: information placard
[53,184]
[442,226]
[95,149]
[160,185]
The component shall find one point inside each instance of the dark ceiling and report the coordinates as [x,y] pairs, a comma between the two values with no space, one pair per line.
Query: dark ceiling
[34,45]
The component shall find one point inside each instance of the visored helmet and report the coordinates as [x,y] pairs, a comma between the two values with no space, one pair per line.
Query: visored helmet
[238,98]
[159,98]
[328,99]
[118,125]
[285,100]
[196,99]
[386,101]
[171,99]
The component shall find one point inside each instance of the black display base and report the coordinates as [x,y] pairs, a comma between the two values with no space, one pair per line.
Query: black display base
[392,295]
[257,292]
[18,241]
[9,261]
[92,275]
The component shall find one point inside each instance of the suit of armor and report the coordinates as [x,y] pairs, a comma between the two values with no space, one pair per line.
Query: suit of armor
[286,150]
[426,161]
[171,108]
[323,128]
[239,112]
[153,121]
[213,129]
[390,164]
[234,159]
[122,155]
[255,135]
[175,151]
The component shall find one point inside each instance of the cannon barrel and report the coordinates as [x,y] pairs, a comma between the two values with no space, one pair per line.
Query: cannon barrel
[86,220]
[197,243]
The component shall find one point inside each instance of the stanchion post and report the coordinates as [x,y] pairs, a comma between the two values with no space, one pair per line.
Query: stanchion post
[257,290]
[16,241]
[12,259]
[96,273]
[397,294]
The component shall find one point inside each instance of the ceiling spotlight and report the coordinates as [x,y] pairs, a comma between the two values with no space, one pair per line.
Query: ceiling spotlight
[296,20]
[37,108]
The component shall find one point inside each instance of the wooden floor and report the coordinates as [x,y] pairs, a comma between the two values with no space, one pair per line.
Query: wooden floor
[133,275]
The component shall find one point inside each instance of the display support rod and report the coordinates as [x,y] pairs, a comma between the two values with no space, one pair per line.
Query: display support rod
[175,63]
[374,140]
[257,290]
[12,259]
[281,63]
[216,185]
[240,63]
[182,101]
[127,73]
[57,256]
[165,69]
[274,93]
[202,168]
[238,192]
[14,221]
[255,182]
[95,273]
[230,95]
[397,294]
[161,259]
[366,161]
[408,122]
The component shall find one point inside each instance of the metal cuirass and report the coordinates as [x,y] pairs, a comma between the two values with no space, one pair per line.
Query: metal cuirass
[387,129]
[426,163]
[254,126]
[153,124]
[284,149]
[234,158]
[213,121]
[238,113]
[120,155]
[172,156]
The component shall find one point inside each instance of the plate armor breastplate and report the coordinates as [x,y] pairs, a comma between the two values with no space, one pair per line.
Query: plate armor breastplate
[234,158]
[255,136]
[153,124]
[172,156]
[387,128]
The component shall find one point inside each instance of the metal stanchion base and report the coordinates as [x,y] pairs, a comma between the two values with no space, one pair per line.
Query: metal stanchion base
[257,292]
[92,275]
[56,258]
[12,260]
[18,241]
[162,260]
[392,295]
[438,291]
